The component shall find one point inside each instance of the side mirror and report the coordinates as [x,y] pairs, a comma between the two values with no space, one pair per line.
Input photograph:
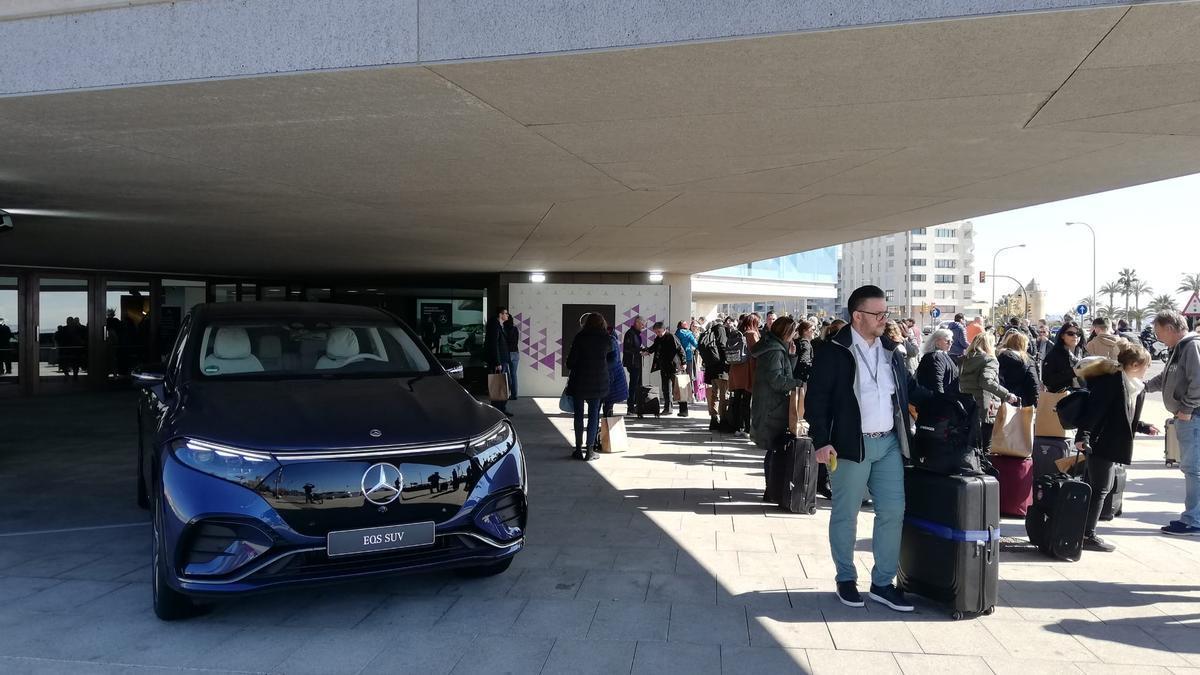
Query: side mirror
[149,375]
[453,368]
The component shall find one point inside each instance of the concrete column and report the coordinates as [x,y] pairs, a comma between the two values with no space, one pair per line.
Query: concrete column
[681,297]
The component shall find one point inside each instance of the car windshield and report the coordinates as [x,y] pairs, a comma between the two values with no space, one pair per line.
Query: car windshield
[308,348]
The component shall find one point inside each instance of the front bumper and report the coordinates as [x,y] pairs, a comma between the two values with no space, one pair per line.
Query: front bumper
[199,509]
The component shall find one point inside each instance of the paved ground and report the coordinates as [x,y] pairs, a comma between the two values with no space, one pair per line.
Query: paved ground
[660,559]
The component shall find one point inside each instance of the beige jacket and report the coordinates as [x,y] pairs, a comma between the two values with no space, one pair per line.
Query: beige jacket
[1105,345]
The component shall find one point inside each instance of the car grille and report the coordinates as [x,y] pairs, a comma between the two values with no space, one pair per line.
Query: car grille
[316,564]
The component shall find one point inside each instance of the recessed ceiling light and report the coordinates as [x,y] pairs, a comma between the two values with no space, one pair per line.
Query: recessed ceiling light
[656,277]
[537,277]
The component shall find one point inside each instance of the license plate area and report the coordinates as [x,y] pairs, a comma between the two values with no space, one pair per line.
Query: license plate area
[376,539]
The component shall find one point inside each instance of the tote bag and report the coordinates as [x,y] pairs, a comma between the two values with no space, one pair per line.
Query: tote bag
[497,387]
[1013,433]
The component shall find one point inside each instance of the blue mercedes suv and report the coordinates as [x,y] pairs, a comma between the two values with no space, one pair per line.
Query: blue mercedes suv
[293,443]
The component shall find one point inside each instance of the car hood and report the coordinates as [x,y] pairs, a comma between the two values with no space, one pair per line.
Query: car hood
[302,414]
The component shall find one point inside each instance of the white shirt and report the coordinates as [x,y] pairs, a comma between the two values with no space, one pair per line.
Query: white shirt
[874,384]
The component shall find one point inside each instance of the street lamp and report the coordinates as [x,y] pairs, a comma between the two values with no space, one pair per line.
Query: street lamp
[1093,295]
[994,277]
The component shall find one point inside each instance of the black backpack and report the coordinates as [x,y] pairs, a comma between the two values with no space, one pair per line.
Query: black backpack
[735,348]
[709,354]
[1070,409]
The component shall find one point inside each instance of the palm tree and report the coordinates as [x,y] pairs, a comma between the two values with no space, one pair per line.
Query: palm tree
[1111,289]
[1137,290]
[1110,311]
[1189,284]
[1161,303]
[1135,316]
[1126,278]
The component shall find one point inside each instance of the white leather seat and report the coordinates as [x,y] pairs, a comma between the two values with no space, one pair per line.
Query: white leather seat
[341,344]
[231,353]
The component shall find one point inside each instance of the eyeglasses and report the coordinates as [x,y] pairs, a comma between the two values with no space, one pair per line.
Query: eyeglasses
[879,316]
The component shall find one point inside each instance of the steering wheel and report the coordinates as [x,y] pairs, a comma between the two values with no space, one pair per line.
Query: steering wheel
[361,356]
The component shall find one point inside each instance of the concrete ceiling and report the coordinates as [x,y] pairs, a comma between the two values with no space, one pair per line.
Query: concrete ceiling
[681,158]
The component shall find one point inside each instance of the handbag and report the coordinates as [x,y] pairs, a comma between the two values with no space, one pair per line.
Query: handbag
[1013,433]
[498,387]
[1045,422]
[566,402]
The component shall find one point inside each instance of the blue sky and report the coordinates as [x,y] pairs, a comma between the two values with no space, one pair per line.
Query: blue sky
[1153,228]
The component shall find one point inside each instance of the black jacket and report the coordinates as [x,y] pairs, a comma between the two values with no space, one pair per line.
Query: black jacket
[938,373]
[668,354]
[720,335]
[631,349]
[1016,375]
[1058,370]
[831,408]
[1106,423]
[804,360]
[512,336]
[495,346]
[588,362]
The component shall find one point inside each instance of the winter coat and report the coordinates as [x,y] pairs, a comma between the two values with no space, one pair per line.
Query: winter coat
[1039,349]
[631,349]
[831,407]
[741,375]
[1104,344]
[980,379]
[588,363]
[1017,376]
[713,369]
[668,354]
[1179,381]
[688,340]
[804,356]
[773,381]
[495,346]
[938,373]
[958,343]
[512,336]
[618,386]
[1107,425]
[912,352]
[1058,370]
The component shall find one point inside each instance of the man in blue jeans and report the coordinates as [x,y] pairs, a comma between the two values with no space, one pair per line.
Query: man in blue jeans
[1180,386]
[857,409]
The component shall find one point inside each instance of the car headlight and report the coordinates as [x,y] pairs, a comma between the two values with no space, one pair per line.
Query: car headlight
[496,441]
[244,467]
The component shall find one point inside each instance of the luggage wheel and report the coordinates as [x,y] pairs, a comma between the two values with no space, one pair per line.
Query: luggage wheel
[989,611]
[957,616]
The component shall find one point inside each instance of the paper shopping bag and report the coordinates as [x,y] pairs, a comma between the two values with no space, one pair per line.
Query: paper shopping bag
[1046,423]
[683,388]
[612,434]
[497,387]
[1013,433]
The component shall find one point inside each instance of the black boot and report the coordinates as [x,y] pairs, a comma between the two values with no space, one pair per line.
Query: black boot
[683,410]
[593,452]
[713,424]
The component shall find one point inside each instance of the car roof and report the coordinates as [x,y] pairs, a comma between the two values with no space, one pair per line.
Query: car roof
[292,310]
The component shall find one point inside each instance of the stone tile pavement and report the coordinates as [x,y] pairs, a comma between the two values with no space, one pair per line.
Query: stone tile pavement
[662,558]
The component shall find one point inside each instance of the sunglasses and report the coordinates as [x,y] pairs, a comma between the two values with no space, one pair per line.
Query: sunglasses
[1071,333]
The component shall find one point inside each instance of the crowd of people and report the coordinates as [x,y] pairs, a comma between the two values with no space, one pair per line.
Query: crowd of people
[858,379]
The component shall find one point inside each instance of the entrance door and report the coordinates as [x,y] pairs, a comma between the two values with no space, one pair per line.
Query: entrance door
[62,333]
[10,307]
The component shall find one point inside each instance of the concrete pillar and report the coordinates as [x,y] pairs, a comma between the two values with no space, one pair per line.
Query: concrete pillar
[681,297]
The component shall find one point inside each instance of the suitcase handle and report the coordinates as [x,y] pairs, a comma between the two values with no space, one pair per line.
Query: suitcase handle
[987,556]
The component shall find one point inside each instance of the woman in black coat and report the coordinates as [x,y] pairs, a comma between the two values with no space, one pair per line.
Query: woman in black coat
[588,362]
[804,351]
[1112,417]
[1058,370]
[937,371]
[1016,369]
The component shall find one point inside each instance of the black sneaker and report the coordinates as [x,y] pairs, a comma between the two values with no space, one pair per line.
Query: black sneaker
[1094,543]
[891,596]
[847,593]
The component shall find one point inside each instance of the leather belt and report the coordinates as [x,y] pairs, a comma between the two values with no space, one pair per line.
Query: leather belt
[878,434]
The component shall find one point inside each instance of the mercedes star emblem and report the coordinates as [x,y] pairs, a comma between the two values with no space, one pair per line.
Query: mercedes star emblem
[375,433]
[385,481]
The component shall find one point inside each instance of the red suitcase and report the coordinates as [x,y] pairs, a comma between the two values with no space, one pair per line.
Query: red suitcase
[1016,484]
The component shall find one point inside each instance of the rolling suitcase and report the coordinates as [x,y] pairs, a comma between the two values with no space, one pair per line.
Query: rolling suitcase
[1058,516]
[1016,484]
[647,404]
[1114,503]
[791,468]
[1171,452]
[950,547]
[1046,451]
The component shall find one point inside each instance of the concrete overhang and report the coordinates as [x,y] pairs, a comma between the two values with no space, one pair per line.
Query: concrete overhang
[741,287]
[682,158]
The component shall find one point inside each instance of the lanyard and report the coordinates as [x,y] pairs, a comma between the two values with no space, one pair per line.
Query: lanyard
[875,372]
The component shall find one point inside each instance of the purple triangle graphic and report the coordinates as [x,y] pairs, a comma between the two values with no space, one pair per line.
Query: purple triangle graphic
[548,362]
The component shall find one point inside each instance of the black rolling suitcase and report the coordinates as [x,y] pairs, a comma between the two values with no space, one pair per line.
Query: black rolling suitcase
[1114,503]
[950,548]
[1058,515]
[1046,451]
[646,405]
[791,468]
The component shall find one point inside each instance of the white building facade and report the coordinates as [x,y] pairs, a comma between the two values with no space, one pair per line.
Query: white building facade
[918,269]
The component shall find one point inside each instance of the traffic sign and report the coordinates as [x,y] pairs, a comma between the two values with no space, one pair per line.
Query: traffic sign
[1192,308]
[1081,310]
[935,312]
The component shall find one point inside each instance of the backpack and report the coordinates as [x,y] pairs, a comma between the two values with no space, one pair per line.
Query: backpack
[735,348]
[1070,409]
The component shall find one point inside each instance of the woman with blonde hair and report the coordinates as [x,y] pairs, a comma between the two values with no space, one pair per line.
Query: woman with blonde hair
[775,362]
[1016,368]
[980,379]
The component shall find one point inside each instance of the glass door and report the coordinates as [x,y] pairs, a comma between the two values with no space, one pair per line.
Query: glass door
[10,307]
[62,332]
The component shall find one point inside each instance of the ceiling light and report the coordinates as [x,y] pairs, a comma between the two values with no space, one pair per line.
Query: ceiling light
[656,277]
[537,277]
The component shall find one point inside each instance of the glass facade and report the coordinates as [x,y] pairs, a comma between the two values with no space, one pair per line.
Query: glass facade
[819,266]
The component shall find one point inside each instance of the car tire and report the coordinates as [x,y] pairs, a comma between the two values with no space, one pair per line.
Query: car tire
[169,604]
[482,571]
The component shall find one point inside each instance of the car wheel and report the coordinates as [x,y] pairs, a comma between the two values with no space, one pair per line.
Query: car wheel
[169,604]
[484,570]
